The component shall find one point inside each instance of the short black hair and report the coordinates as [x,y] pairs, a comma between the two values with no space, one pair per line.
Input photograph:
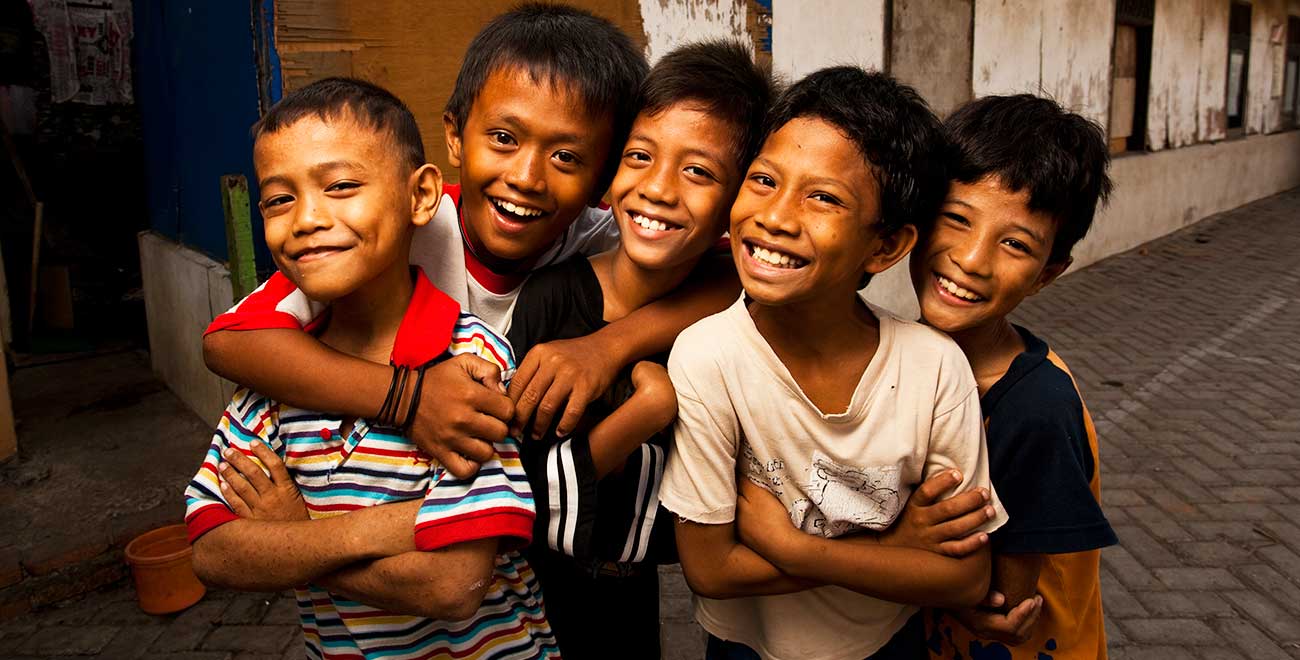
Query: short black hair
[1031,143]
[367,103]
[891,125]
[723,78]
[562,45]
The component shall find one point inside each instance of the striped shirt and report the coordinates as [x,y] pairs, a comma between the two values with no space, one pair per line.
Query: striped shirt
[374,465]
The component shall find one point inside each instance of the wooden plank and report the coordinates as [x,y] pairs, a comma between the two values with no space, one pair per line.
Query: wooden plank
[239,234]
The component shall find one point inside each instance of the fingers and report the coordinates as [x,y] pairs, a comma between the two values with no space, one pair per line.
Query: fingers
[233,500]
[579,399]
[531,399]
[962,527]
[552,402]
[993,599]
[457,465]
[1032,608]
[962,547]
[250,471]
[933,488]
[524,375]
[237,491]
[482,371]
[494,405]
[279,473]
[959,505]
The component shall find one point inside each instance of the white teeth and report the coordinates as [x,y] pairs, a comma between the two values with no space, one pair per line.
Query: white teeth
[778,259]
[951,287]
[517,210]
[653,225]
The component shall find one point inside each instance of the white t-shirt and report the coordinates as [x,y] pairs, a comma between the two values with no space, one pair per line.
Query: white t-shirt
[439,248]
[915,411]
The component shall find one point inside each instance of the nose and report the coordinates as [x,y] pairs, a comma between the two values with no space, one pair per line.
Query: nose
[310,215]
[659,184]
[778,215]
[526,171]
[972,253]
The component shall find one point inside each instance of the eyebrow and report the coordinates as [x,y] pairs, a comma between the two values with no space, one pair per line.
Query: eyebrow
[561,138]
[1032,234]
[692,151]
[315,170]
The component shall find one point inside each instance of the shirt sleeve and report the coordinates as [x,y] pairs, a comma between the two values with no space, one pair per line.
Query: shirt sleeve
[495,502]
[957,434]
[275,304]
[699,483]
[565,486]
[597,231]
[1043,469]
[248,419]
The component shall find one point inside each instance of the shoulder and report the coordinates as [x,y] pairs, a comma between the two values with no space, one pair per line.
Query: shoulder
[568,276]
[250,414]
[473,335]
[711,338]
[928,354]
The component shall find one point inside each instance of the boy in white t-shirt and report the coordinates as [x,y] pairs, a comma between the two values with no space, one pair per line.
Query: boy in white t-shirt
[830,410]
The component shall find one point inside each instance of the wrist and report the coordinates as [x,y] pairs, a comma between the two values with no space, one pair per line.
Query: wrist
[613,344]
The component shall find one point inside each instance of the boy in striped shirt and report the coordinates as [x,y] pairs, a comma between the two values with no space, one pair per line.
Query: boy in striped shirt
[390,555]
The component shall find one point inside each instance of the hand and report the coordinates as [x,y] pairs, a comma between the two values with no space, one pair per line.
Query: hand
[762,521]
[564,375]
[1013,628]
[252,494]
[947,527]
[463,410]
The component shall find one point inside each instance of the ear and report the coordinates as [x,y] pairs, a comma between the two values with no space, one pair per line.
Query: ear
[891,248]
[452,134]
[426,194]
[1050,273]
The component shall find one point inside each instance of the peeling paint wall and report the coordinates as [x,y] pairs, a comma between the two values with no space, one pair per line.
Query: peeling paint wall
[1264,107]
[1212,99]
[1175,74]
[670,24]
[807,36]
[1047,47]
[930,49]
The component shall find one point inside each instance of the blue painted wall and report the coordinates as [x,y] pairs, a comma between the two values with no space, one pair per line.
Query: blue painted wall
[197,88]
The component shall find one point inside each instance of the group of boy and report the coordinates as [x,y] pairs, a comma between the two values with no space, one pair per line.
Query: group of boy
[511,448]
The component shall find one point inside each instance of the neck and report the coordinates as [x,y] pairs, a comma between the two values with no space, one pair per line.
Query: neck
[824,325]
[364,323]
[628,286]
[990,348]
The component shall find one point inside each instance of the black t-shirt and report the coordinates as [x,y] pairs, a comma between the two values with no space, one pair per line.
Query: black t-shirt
[1041,458]
[617,518]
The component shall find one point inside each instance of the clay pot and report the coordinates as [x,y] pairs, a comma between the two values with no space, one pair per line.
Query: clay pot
[160,562]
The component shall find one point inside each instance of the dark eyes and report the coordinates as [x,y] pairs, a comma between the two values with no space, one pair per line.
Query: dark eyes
[342,185]
[763,180]
[566,157]
[501,138]
[827,198]
[1018,246]
[278,200]
[957,218]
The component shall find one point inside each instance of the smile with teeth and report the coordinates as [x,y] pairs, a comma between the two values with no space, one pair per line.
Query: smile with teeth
[650,223]
[515,209]
[951,287]
[774,258]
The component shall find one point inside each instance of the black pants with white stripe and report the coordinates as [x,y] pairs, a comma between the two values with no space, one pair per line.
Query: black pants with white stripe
[601,616]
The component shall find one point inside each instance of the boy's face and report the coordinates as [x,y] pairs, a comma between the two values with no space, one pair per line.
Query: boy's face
[336,203]
[986,253]
[530,157]
[674,185]
[805,223]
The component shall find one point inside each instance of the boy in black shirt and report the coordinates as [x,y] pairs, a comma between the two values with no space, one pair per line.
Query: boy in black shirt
[702,108]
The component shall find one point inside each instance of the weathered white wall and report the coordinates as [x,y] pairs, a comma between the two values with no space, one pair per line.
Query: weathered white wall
[183,291]
[1175,74]
[1047,47]
[807,36]
[1212,81]
[670,24]
[930,49]
[1161,192]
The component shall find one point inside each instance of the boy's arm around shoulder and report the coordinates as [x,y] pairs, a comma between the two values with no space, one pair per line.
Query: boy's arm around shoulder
[652,406]
[564,377]
[459,415]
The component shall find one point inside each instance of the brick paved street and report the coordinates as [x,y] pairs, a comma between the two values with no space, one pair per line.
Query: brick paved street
[1188,356]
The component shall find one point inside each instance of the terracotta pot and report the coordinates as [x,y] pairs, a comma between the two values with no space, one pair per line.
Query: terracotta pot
[160,562]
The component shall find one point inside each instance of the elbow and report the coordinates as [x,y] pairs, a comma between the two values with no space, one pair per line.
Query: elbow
[443,605]
[707,583]
[214,350]
[207,568]
[969,592]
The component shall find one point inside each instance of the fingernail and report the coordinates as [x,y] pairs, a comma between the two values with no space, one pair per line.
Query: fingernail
[222,467]
[562,433]
[989,512]
[954,474]
[224,486]
[984,538]
[227,452]
[984,493]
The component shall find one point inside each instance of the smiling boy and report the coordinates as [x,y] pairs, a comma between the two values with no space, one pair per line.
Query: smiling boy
[388,555]
[1028,178]
[700,123]
[833,411]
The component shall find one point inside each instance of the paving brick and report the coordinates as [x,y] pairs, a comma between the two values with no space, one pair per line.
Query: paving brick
[283,611]
[1252,495]
[1177,632]
[1249,640]
[1267,580]
[51,554]
[247,609]
[1212,553]
[132,642]
[69,640]
[1183,603]
[190,627]
[257,639]
[1197,578]
[1281,558]
[1122,497]
[1266,613]
[1127,569]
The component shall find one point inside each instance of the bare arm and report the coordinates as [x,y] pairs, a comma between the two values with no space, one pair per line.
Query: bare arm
[651,407]
[461,412]
[272,555]
[995,618]
[577,371]
[716,565]
[899,574]
[446,584]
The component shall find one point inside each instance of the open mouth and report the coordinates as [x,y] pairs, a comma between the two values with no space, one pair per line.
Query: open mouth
[774,258]
[516,212]
[650,223]
[956,291]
